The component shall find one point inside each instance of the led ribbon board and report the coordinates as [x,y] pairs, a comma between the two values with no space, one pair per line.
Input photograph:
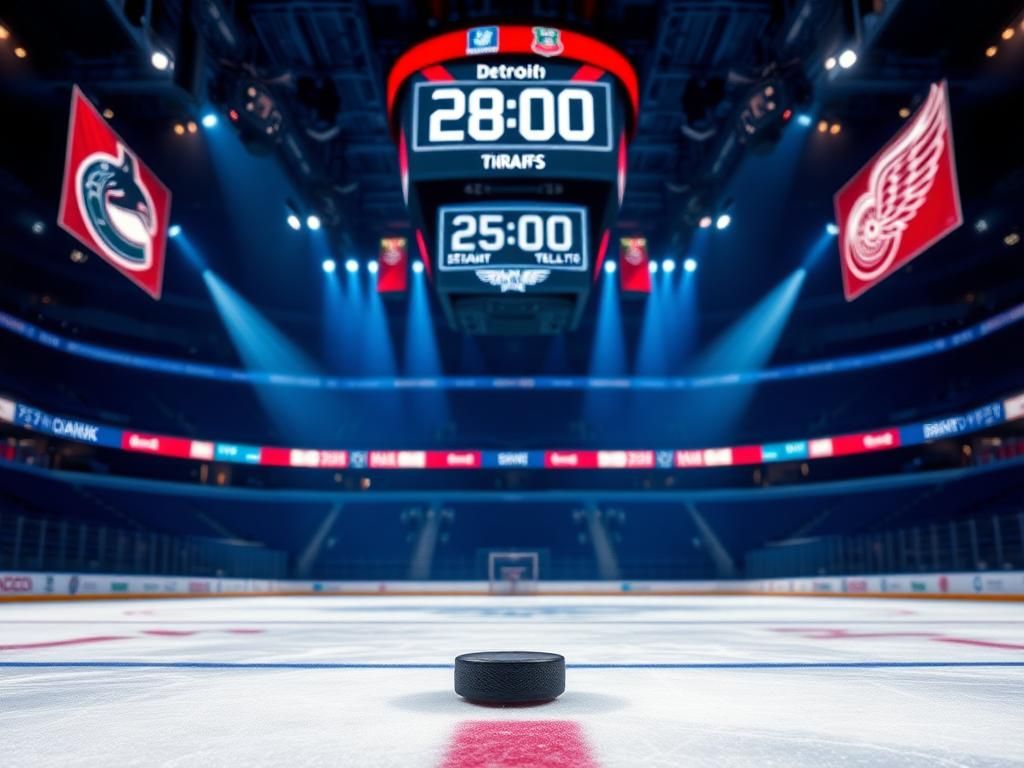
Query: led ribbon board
[512,149]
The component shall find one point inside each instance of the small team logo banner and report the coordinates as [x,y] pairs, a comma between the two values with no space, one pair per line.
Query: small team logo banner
[482,40]
[634,267]
[902,202]
[393,262]
[547,41]
[111,201]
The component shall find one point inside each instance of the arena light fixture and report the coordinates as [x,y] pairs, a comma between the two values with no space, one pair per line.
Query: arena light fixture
[835,129]
[417,266]
[4,32]
[313,222]
[832,228]
[1012,239]
[209,120]
[904,112]
[160,60]
[179,129]
[981,225]
[847,58]
[610,267]
[705,222]
[351,266]
[20,52]
[38,227]
[723,221]
[328,266]
[991,51]
[804,120]
[174,230]
[108,113]
[294,222]
[823,126]
[669,266]
[1008,33]
[372,267]
[192,127]
[652,267]
[830,63]
[690,265]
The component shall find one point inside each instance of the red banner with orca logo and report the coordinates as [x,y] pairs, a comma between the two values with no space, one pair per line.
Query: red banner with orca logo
[111,201]
[902,202]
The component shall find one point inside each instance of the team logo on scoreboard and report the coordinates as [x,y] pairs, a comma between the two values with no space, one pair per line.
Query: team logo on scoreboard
[482,40]
[547,41]
[513,279]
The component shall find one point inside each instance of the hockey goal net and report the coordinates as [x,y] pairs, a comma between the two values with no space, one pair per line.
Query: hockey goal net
[513,573]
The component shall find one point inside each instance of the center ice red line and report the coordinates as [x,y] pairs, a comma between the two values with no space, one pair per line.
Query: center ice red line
[108,638]
[56,643]
[829,633]
[519,744]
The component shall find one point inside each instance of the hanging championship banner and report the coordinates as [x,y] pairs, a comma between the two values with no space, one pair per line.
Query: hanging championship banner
[393,265]
[111,201]
[902,202]
[634,265]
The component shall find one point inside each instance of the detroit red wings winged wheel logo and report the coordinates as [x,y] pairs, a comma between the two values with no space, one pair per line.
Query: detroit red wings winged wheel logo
[899,211]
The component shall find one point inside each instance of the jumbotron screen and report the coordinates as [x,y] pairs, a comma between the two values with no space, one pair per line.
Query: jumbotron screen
[512,145]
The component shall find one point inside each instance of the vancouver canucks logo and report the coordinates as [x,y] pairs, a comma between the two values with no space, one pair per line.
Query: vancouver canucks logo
[117,208]
[547,41]
[513,279]
[482,40]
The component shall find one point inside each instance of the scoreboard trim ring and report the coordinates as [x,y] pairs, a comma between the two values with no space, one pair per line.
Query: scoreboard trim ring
[472,146]
[513,39]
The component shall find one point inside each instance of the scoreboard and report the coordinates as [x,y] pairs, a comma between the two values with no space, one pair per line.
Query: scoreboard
[512,149]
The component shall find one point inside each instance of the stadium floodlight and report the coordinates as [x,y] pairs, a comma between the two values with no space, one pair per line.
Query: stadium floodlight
[690,265]
[652,267]
[705,222]
[723,221]
[847,58]
[669,265]
[804,120]
[174,230]
[313,222]
[417,266]
[351,265]
[329,265]
[610,267]
[372,267]
[160,60]
[209,120]
[832,228]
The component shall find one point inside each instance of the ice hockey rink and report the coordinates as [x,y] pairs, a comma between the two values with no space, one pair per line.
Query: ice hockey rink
[651,681]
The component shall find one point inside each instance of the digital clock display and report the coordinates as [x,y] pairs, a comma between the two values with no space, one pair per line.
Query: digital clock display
[523,236]
[495,115]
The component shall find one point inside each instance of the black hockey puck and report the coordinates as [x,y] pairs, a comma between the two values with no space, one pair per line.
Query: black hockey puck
[508,677]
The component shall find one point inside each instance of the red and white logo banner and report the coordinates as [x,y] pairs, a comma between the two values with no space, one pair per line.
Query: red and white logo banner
[634,268]
[902,202]
[393,265]
[111,201]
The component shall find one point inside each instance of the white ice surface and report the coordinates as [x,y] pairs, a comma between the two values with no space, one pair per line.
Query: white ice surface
[230,714]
